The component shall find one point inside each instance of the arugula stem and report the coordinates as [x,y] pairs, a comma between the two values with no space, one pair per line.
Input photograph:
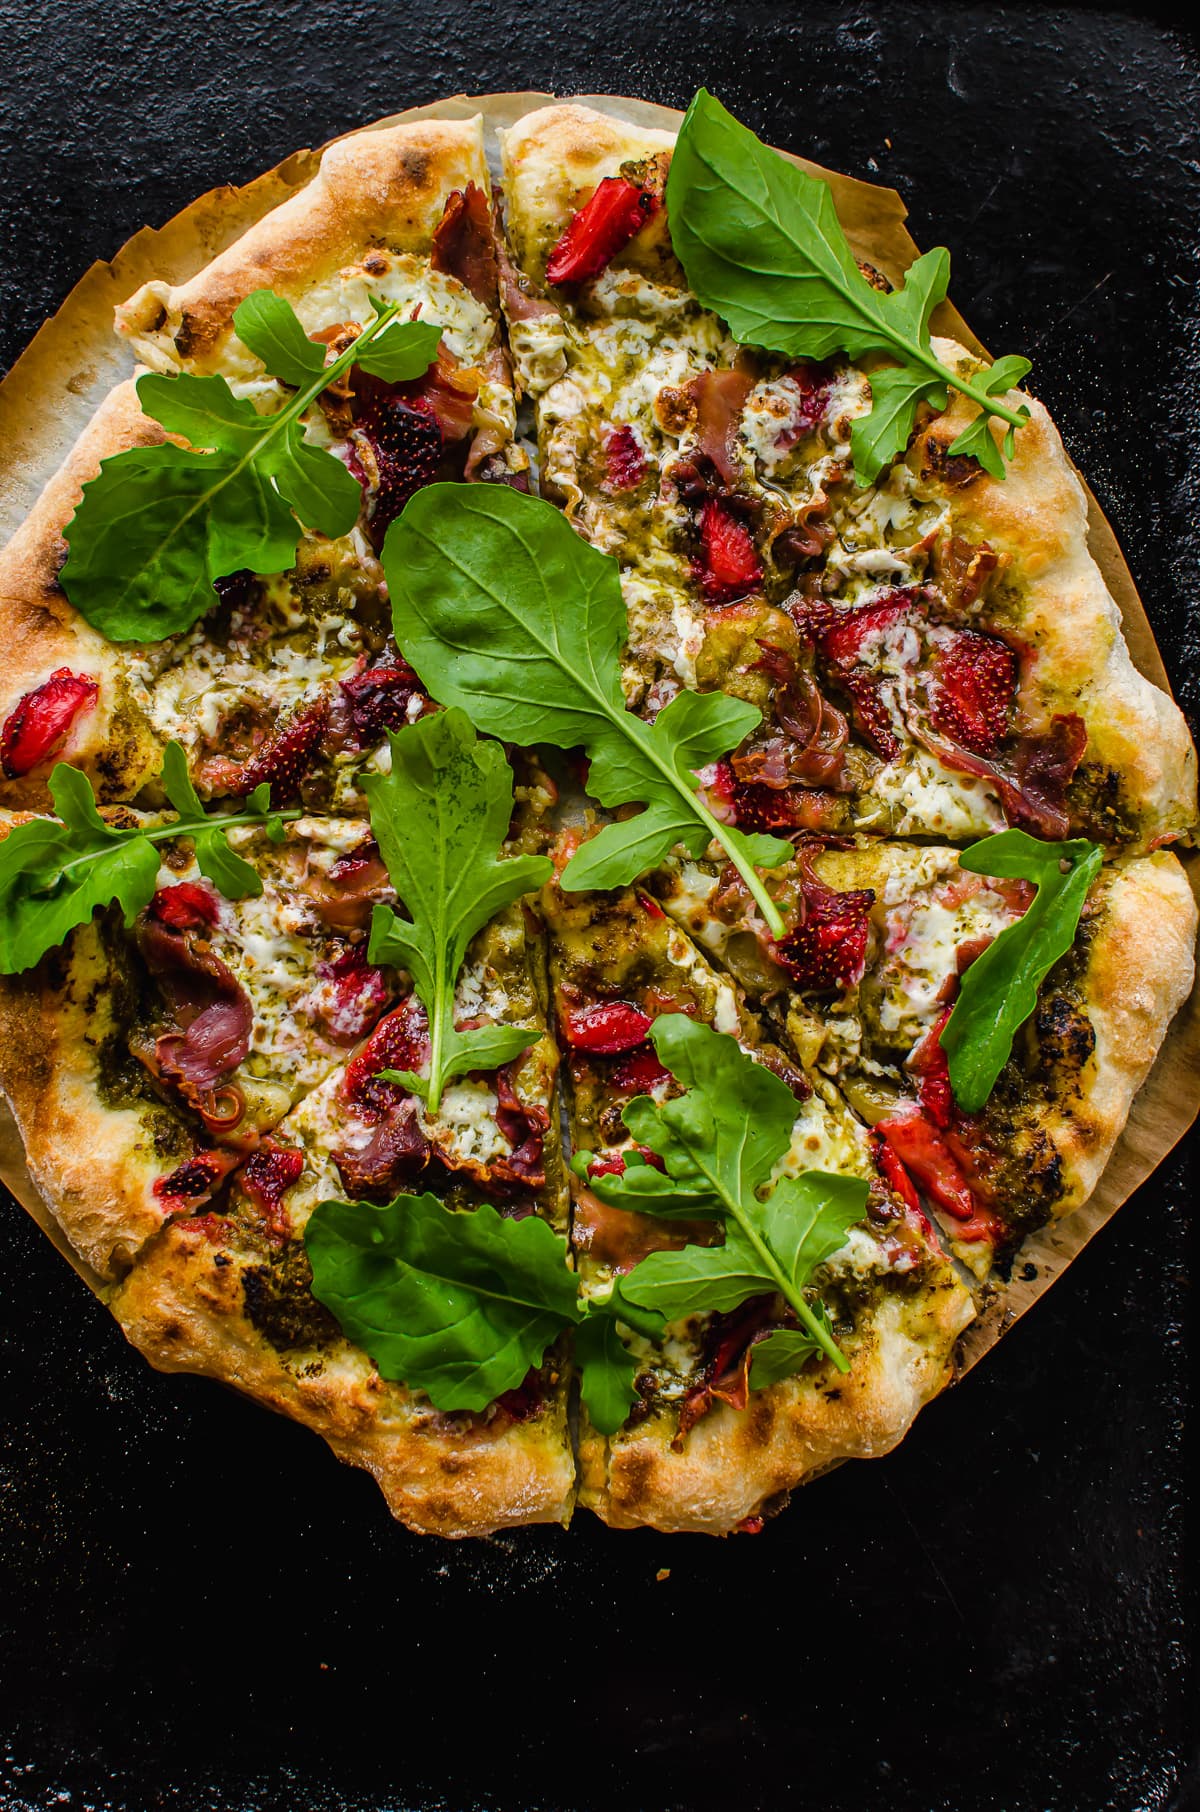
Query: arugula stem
[163,833]
[773,1268]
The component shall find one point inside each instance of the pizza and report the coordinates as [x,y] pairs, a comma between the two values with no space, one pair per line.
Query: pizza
[583,859]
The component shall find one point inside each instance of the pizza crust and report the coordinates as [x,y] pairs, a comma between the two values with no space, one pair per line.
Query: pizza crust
[1062,610]
[383,187]
[736,1463]
[112,742]
[184,1312]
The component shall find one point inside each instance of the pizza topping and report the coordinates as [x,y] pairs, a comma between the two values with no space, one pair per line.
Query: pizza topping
[405,442]
[608,1026]
[505,611]
[762,247]
[444,808]
[928,1062]
[186,906]
[524,1125]
[354,995]
[345,895]
[160,524]
[399,1041]
[195,1181]
[396,1152]
[919,1146]
[380,698]
[211,1012]
[624,460]
[729,1342]
[973,680]
[1000,989]
[38,726]
[286,758]
[813,748]
[828,948]
[608,220]
[719,398]
[639,1072]
[464,245]
[729,565]
[267,1175]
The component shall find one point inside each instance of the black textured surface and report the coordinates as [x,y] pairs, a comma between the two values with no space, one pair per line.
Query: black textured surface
[198,1607]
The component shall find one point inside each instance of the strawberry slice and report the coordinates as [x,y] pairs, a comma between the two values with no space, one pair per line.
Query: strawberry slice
[267,1175]
[285,759]
[729,563]
[607,1028]
[185,907]
[399,1042]
[378,699]
[356,995]
[604,225]
[829,950]
[39,724]
[639,1072]
[407,443]
[974,677]
[195,1181]
[624,460]
[919,1146]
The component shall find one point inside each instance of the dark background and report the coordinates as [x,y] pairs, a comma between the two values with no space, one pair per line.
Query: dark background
[198,1607]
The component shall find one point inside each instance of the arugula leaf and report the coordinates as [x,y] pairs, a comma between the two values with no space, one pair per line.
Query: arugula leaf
[55,872]
[999,991]
[507,613]
[607,1369]
[458,1305]
[159,524]
[781,1353]
[719,1143]
[762,247]
[439,818]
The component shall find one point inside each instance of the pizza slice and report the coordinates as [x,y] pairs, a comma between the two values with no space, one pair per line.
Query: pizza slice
[934,652]
[288,676]
[862,988]
[228,1291]
[708,1444]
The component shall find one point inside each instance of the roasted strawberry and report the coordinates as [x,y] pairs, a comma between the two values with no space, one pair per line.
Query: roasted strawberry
[378,699]
[195,1181]
[829,949]
[920,1148]
[399,1042]
[39,724]
[930,1064]
[406,443]
[639,1071]
[729,565]
[603,226]
[267,1175]
[624,460]
[355,995]
[285,759]
[606,1028]
[872,719]
[843,638]
[186,906]
[972,686]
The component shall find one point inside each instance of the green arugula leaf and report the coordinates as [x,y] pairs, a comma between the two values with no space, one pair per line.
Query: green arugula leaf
[999,991]
[781,1353]
[158,525]
[719,1143]
[55,872]
[507,613]
[439,818]
[607,1369]
[762,246]
[458,1305]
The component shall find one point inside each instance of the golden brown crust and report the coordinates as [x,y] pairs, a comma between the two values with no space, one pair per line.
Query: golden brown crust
[111,742]
[95,1163]
[1140,969]
[553,159]
[1061,608]
[185,1312]
[735,1463]
[382,188]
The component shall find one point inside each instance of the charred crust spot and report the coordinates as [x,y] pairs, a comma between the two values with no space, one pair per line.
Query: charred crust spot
[1064,1032]
[760,1419]
[1097,806]
[415,165]
[375,263]
[279,1302]
[636,1468]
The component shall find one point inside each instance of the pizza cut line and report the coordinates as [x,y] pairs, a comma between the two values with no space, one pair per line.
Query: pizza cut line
[659,1190]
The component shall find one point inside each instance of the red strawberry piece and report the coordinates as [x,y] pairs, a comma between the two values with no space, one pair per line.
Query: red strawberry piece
[729,564]
[613,1162]
[608,1027]
[285,759]
[639,1071]
[525,1400]
[829,950]
[814,384]
[399,1042]
[872,719]
[895,1175]
[187,906]
[604,225]
[267,1175]
[843,640]
[378,699]
[919,1146]
[195,1181]
[407,442]
[974,677]
[358,994]
[624,460]
[39,724]
[355,862]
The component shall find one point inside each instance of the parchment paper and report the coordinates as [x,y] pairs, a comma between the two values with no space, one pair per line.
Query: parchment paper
[75,359]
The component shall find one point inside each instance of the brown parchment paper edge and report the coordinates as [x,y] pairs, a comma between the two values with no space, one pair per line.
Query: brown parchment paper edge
[75,359]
